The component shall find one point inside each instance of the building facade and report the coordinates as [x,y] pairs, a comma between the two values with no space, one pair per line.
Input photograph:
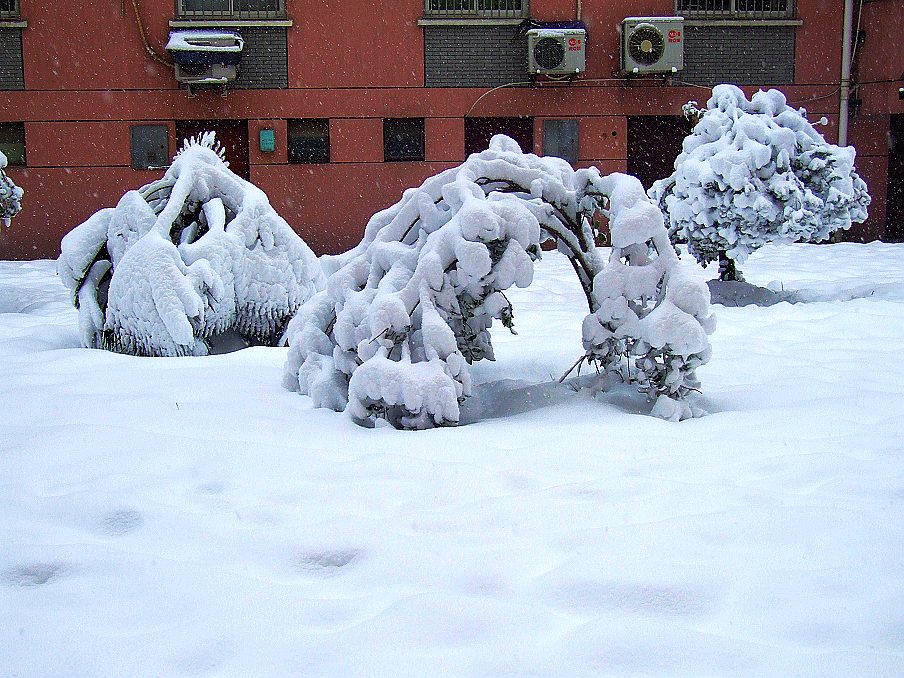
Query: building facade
[339,106]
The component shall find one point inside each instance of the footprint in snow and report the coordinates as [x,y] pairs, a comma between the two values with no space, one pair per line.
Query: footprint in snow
[120,523]
[326,563]
[34,574]
[211,488]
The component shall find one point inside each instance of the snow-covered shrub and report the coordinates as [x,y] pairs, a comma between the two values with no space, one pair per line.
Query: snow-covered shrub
[651,320]
[10,195]
[755,172]
[406,311]
[196,259]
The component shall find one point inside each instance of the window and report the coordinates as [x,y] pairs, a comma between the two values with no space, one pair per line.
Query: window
[150,146]
[502,9]
[9,9]
[403,139]
[742,9]
[479,131]
[309,141]
[245,9]
[12,142]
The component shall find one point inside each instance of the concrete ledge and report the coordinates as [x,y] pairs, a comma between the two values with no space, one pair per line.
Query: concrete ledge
[744,23]
[230,23]
[468,22]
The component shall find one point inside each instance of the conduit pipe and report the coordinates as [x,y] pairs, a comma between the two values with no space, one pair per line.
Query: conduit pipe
[845,92]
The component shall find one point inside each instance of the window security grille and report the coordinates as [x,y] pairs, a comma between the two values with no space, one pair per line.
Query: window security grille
[9,9]
[493,9]
[242,9]
[740,9]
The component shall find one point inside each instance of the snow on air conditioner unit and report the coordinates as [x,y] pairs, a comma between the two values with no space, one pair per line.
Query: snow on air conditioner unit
[652,45]
[556,51]
[205,57]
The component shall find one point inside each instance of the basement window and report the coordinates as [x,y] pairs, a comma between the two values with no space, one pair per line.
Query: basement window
[12,142]
[309,141]
[403,139]
[236,9]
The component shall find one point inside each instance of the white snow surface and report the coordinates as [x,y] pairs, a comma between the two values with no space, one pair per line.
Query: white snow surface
[190,517]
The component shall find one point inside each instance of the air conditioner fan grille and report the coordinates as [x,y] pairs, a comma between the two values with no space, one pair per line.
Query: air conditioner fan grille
[646,45]
[549,53]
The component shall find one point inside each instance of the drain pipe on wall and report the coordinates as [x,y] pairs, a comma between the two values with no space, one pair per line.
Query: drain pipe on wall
[845,92]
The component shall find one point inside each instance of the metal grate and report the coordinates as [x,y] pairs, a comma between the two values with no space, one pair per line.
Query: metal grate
[494,9]
[150,146]
[9,9]
[238,9]
[740,9]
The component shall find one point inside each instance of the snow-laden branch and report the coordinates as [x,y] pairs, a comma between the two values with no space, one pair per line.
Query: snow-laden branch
[186,260]
[406,311]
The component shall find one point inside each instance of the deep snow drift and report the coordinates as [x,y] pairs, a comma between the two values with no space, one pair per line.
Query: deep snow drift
[189,516]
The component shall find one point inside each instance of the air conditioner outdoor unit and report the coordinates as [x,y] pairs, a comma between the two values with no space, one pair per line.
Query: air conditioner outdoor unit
[556,51]
[652,45]
[205,58]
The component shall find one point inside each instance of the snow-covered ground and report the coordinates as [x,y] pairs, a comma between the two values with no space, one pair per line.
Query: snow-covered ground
[189,516]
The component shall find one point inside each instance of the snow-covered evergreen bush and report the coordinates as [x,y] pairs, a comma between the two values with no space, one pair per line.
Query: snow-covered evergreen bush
[196,259]
[406,311]
[10,195]
[755,172]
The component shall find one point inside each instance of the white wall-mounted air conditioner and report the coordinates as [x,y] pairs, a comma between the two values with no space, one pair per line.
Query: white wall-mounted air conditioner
[205,57]
[652,45]
[556,51]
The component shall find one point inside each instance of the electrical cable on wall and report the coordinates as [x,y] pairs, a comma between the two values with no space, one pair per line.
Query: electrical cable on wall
[144,38]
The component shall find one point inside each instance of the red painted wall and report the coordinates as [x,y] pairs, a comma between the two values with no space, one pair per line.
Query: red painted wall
[357,44]
[95,46]
[329,205]
[356,63]
[104,144]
